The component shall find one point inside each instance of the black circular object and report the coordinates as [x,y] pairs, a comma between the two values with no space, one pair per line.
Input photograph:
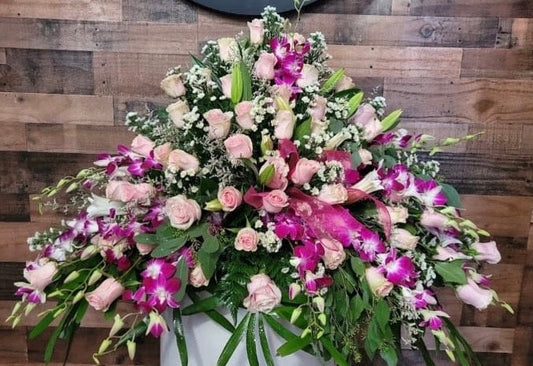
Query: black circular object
[248,7]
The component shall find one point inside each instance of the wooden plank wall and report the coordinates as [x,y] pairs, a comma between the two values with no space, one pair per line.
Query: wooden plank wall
[70,70]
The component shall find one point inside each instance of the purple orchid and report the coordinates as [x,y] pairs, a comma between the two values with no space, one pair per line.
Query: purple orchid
[430,192]
[368,245]
[307,256]
[399,270]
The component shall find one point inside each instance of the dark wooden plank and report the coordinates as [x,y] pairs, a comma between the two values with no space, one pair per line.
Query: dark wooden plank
[509,8]
[483,101]
[2,56]
[76,138]
[86,342]
[108,10]
[13,349]
[503,138]
[497,63]
[29,172]
[166,11]
[98,36]
[366,7]
[523,347]
[133,73]
[45,71]
[525,308]
[14,207]
[489,175]
[11,272]
[56,108]
[13,239]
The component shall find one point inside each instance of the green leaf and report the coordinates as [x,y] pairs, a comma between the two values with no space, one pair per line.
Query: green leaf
[303,129]
[180,337]
[279,329]
[251,349]
[340,359]
[382,314]
[215,315]
[168,246]
[373,338]
[233,341]
[357,266]
[203,305]
[42,325]
[263,340]
[389,355]
[293,345]
[451,272]
[132,333]
[266,176]
[421,345]
[357,306]
[354,103]
[49,350]
[246,82]
[208,261]
[236,83]
[332,81]
[149,239]
[198,230]
[389,122]
[182,273]
[335,125]
[452,196]
[210,244]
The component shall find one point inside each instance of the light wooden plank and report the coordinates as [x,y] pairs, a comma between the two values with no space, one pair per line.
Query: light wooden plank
[106,10]
[164,11]
[522,32]
[482,339]
[2,56]
[98,36]
[483,101]
[438,130]
[13,240]
[497,63]
[139,104]
[13,137]
[56,108]
[397,61]
[365,7]
[76,138]
[499,215]
[522,344]
[133,73]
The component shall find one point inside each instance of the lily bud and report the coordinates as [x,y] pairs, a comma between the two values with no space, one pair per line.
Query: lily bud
[213,205]
[80,295]
[88,252]
[95,276]
[104,346]
[71,277]
[296,314]
[319,303]
[266,144]
[118,324]
[131,345]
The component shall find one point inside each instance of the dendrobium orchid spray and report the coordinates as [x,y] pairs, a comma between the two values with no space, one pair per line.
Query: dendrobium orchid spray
[270,184]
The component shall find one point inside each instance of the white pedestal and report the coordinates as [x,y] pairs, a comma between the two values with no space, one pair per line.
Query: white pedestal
[206,339]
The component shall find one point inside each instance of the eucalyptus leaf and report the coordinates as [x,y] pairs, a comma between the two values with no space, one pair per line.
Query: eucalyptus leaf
[335,126]
[210,244]
[452,196]
[144,238]
[167,247]
[451,272]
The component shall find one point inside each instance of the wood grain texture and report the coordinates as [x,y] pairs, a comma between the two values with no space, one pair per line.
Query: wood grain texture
[108,10]
[383,61]
[366,7]
[522,33]
[2,56]
[68,109]
[13,137]
[164,11]
[509,8]
[497,63]
[47,71]
[98,36]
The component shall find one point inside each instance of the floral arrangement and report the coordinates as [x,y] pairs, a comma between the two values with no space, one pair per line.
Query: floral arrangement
[270,184]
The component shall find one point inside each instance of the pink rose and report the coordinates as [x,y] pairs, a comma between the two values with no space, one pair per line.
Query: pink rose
[474,295]
[239,146]
[40,274]
[379,285]
[403,239]
[247,240]
[282,91]
[334,253]
[333,194]
[219,123]
[197,277]
[173,86]
[226,85]
[123,191]
[243,115]
[182,211]
[176,111]
[181,160]
[263,294]
[366,118]
[275,201]
[487,252]
[257,31]
[144,249]
[142,145]
[309,76]
[162,152]
[230,198]
[227,48]
[345,83]
[432,219]
[281,170]
[264,66]
[284,124]
[304,171]
[107,292]
[447,253]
